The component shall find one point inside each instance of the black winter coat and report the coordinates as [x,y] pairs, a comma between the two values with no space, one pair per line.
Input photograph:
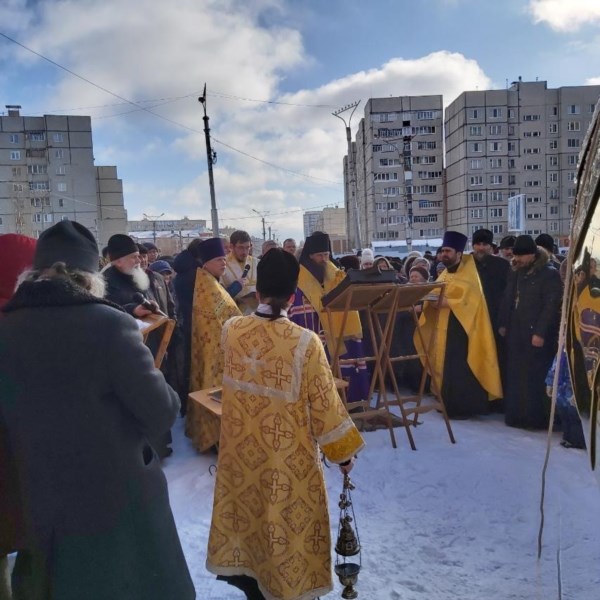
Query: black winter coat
[79,397]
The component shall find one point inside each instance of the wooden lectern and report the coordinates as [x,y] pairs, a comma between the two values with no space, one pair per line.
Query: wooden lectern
[381,302]
[156,333]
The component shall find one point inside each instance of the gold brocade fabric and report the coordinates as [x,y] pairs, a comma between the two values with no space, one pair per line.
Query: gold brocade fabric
[313,291]
[246,298]
[212,306]
[467,302]
[279,404]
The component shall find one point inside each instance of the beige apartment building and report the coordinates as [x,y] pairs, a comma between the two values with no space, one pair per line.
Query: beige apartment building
[47,173]
[521,140]
[398,188]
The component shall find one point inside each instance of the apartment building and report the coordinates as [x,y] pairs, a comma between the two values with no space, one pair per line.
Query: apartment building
[47,173]
[521,140]
[311,220]
[397,186]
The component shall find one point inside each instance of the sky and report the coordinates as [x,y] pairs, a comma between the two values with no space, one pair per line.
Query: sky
[275,70]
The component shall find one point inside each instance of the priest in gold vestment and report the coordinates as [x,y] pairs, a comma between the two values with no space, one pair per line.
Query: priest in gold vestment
[212,306]
[464,359]
[270,532]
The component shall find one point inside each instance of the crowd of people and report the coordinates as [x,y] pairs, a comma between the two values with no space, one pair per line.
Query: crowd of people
[85,415]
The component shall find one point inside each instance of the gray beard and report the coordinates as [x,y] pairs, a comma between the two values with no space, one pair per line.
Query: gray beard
[140,278]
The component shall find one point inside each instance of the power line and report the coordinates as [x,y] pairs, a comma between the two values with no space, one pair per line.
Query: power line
[143,108]
[232,97]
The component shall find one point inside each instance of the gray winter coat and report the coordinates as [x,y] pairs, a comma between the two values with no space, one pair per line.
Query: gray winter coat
[79,396]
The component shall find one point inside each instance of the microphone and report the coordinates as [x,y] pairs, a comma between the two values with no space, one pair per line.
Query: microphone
[246,271]
[140,299]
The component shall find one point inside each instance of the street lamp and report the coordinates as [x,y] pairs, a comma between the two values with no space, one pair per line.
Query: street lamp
[351,165]
[211,158]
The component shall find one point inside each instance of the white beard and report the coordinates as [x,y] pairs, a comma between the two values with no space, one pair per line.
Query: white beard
[140,278]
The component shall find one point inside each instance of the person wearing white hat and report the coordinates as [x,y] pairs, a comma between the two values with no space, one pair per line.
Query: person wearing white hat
[367,258]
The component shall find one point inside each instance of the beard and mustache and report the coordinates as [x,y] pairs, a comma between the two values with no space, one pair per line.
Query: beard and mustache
[140,278]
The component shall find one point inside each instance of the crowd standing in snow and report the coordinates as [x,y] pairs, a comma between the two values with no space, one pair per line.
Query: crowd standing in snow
[85,414]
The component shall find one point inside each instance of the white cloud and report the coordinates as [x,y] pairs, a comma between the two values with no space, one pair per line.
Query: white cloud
[592,81]
[565,15]
[171,52]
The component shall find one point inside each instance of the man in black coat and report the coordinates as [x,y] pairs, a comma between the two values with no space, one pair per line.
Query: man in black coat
[80,397]
[529,321]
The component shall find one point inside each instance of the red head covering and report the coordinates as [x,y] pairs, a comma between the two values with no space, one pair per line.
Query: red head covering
[16,255]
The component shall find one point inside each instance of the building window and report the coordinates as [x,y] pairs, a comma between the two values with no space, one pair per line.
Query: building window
[425,115]
[496,212]
[37,136]
[497,228]
[385,176]
[512,147]
[574,126]
[553,145]
[511,130]
[495,163]
[572,159]
[477,147]
[14,138]
[16,171]
[476,196]
[554,226]
[474,113]
[59,153]
[476,180]
[512,180]
[495,129]
[555,111]
[531,117]
[511,113]
[383,162]
[554,210]
[573,109]
[39,185]
[495,113]
[37,169]
[553,195]
[553,128]
[475,130]
[533,167]
[571,176]
[529,134]
[553,161]
[376,147]
[495,146]
[429,174]
[61,187]
[496,196]
[15,155]
[477,213]
[17,187]
[573,143]
[391,191]
[495,179]
[531,151]
[533,183]
[36,217]
[535,215]
[571,193]
[426,145]
[533,199]
[553,177]
[475,163]
[58,137]
[511,163]
[592,108]
[48,218]
[61,170]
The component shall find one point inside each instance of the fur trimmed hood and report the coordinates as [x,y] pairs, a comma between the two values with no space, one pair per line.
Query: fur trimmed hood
[52,292]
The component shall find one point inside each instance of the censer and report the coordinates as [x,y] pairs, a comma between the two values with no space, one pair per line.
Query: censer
[348,543]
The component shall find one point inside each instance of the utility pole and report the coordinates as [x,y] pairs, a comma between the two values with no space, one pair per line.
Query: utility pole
[153,220]
[211,158]
[264,230]
[351,165]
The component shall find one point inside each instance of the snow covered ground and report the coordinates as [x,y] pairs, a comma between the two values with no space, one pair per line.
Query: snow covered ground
[447,521]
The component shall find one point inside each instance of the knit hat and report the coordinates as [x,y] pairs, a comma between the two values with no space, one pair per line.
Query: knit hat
[160,266]
[277,274]
[142,249]
[120,245]
[421,270]
[211,248]
[367,256]
[455,240]
[508,241]
[149,246]
[351,261]
[524,245]
[482,236]
[68,242]
[546,241]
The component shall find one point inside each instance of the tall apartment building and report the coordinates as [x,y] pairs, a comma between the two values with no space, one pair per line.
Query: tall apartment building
[398,155]
[522,140]
[47,173]
[311,221]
